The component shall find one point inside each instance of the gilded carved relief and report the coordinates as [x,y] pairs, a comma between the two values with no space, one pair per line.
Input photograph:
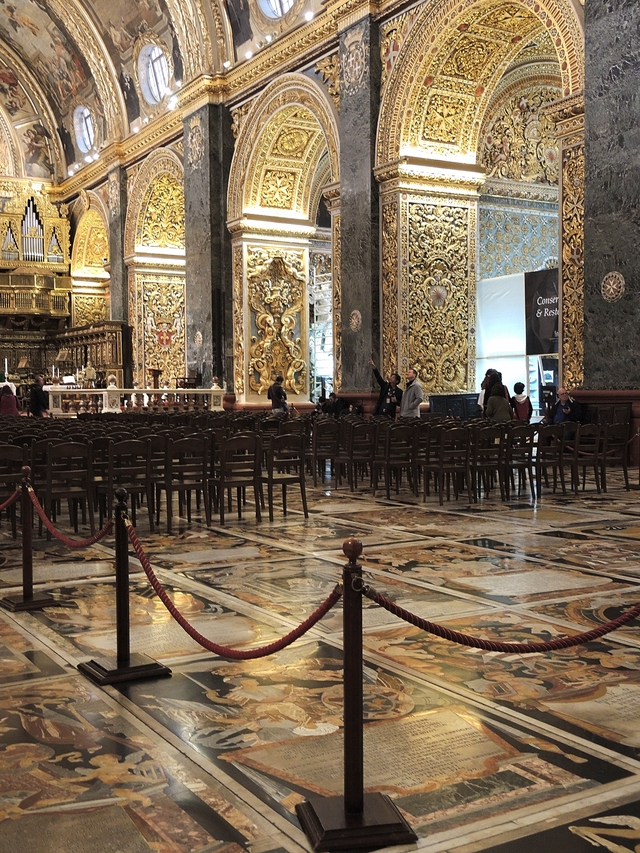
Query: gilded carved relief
[162,302]
[238,321]
[195,142]
[438,290]
[389,287]
[572,239]
[521,141]
[89,309]
[329,69]
[163,218]
[277,189]
[337,302]
[276,291]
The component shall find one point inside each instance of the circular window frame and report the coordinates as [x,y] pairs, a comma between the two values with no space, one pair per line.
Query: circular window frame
[80,129]
[142,48]
[270,24]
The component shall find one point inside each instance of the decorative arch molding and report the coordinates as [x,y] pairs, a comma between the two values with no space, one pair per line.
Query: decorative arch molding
[39,102]
[450,63]
[289,93]
[10,160]
[194,39]
[83,31]
[162,166]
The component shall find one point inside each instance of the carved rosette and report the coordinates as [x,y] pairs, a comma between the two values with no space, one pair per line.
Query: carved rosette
[337,303]
[238,321]
[437,292]
[572,242]
[276,293]
[389,284]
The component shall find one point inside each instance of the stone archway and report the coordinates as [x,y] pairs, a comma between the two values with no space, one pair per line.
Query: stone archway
[442,69]
[286,156]
[154,254]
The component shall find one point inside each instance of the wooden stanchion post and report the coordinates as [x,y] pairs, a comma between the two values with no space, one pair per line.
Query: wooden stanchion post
[356,819]
[124,666]
[28,600]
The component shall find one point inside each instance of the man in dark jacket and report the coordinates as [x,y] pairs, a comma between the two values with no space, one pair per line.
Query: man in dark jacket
[390,393]
[565,409]
[278,395]
[38,399]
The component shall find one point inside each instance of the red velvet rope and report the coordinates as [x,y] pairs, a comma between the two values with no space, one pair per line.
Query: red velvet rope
[71,543]
[492,645]
[14,497]
[224,651]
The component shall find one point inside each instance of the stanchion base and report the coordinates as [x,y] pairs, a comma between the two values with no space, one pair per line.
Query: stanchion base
[110,671]
[14,603]
[329,827]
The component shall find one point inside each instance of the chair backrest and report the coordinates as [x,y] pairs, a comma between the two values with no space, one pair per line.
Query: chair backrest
[187,459]
[286,451]
[241,452]
[12,459]
[69,465]
[326,433]
[129,463]
[550,438]
[487,445]
[399,441]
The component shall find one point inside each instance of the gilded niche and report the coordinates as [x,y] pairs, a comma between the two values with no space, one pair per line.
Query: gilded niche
[337,302]
[276,295]
[521,143]
[163,306]
[163,217]
[238,322]
[438,295]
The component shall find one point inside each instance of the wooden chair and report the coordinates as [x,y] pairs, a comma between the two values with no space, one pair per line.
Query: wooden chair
[398,457]
[487,455]
[69,475]
[518,457]
[12,459]
[285,467]
[584,452]
[550,454]
[130,468]
[325,446]
[239,467]
[615,451]
[186,471]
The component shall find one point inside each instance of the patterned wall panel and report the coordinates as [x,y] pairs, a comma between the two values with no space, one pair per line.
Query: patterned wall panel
[516,238]
[158,304]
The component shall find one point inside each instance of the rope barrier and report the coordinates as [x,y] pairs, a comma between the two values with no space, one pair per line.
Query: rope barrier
[14,497]
[224,651]
[71,543]
[497,646]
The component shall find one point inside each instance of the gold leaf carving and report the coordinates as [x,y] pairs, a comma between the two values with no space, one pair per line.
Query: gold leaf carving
[521,144]
[469,58]
[337,302]
[163,307]
[572,242]
[163,220]
[277,189]
[89,309]
[442,119]
[389,287]
[291,142]
[276,294]
[329,68]
[238,322]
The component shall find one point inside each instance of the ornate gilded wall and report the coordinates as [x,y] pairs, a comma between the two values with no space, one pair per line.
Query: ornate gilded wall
[572,237]
[277,311]
[157,313]
[436,293]
[389,287]
[90,298]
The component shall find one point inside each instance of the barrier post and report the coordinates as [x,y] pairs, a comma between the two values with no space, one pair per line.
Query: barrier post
[125,666]
[28,600]
[355,819]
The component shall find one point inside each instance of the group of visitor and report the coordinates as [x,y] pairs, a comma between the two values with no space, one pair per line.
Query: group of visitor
[499,406]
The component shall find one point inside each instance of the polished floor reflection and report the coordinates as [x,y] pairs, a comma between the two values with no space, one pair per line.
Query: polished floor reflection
[479,750]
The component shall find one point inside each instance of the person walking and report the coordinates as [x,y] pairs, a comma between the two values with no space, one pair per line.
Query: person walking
[390,393]
[412,397]
[38,398]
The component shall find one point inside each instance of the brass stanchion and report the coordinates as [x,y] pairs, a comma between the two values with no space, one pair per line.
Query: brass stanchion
[28,600]
[355,819]
[124,666]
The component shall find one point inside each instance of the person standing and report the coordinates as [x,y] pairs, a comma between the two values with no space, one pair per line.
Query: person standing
[498,407]
[390,393]
[38,399]
[412,397]
[278,395]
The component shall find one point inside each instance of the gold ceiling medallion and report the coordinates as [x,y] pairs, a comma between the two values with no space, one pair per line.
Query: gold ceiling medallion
[613,286]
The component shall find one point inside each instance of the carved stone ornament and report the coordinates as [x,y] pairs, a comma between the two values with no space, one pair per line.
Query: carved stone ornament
[196,142]
[329,68]
[113,195]
[355,321]
[613,286]
[354,61]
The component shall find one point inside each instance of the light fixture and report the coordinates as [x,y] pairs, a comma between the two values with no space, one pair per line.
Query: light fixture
[267,38]
[96,156]
[226,64]
[248,55]
[178,84]
[172,103]
[88,158]
[146,119]
[308,15]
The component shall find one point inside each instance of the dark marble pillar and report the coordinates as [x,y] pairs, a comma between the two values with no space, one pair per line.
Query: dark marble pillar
[118,284]
[612,193]
[359,259]
[208,149]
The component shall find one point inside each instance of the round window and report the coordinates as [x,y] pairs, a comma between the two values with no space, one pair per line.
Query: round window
[84,129]
[153,73]
[275,8]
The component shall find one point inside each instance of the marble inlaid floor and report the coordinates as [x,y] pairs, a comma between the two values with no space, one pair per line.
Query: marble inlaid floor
[480,751]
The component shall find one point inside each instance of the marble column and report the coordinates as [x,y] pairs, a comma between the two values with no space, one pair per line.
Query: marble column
[208,149]
[118,284]
[359,261]
[612,195]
